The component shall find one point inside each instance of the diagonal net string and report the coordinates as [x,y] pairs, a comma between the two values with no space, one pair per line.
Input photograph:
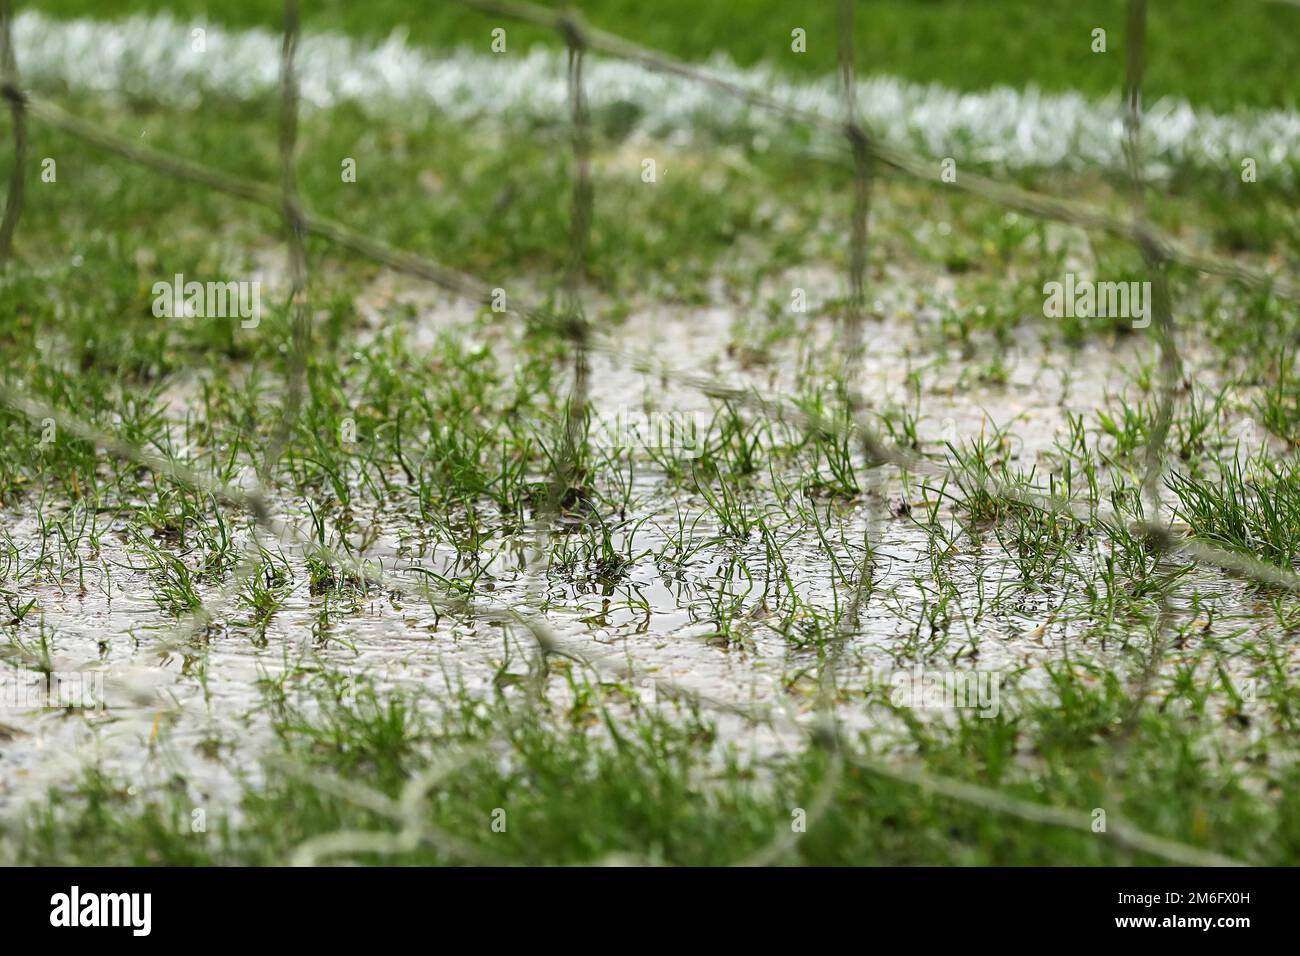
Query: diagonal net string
[1013,198]
[1021,200]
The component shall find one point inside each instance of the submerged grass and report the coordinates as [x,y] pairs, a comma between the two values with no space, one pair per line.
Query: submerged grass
[653,789]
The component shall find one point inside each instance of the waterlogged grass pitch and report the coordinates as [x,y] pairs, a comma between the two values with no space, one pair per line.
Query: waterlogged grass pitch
[692,619]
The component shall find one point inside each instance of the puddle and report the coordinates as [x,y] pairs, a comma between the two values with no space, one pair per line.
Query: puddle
[728,622]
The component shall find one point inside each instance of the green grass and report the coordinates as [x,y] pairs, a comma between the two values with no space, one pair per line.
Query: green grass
[1254,510]
[963,44]
[1133,682]
[652,789]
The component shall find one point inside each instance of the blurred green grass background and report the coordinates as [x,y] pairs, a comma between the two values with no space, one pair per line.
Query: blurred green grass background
[1215,54]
